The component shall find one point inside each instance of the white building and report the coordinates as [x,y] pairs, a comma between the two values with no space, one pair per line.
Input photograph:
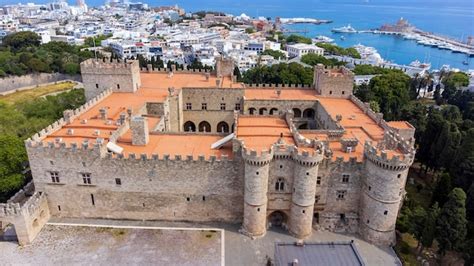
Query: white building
[300,49]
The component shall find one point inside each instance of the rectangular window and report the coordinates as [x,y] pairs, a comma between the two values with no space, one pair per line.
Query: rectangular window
[204,106]
[341,194]
[237,106]
[118,181]
[223,106]
[92,200]
[316,198]
[86,178]
[189,106]
[118,86]
[54,176]
[345,178]
[96,86]
[318,181]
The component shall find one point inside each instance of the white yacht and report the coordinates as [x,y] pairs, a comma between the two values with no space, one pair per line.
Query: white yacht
[421,65]
[322,38]
[345,29]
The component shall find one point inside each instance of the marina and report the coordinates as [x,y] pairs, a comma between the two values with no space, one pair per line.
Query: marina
[302,21]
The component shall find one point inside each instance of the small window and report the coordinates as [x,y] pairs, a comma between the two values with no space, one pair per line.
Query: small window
[222,106]
[370,188]
[51,162]
[54,176]
[92,200]
[188,199]
[368,221]
[237,106]
[204,106]
[385,212]
[307,173]
[203,198]
[399,175]
[345,178]
[303,211]
[189,106]
[281,166]
[341,194]
[118,86]
[59,207]
[318,181]
[343,92]
[257,173]
[118,181]
[280,185]
[342,216]
[258,209]
[317,198]
[86,178]
[96,85]
[330,92]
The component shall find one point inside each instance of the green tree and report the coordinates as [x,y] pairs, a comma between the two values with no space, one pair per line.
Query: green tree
[417,223]
[293,38]
[21,39]
[442,189]
[428,233]
[462,167]
[249,30]
[314,59]
[274,53]
[237,73]
[12,157]
[451,224]
[470,203]
[452,82]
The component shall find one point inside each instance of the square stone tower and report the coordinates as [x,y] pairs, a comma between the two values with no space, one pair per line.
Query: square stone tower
[224,67]
[99,75]
[334,82]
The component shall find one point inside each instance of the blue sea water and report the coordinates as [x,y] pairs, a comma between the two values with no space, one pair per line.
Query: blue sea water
[454,18]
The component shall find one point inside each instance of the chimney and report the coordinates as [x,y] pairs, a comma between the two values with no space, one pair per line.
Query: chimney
[139,127]
[122,118]
[103,113]
[207,75]
[149,67]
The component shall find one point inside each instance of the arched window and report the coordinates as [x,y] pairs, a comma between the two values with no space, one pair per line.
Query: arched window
[262,111]
[204,126]
[252,111]
[280,184]
[297,112]
[189,126]
[222,127]
[273,111]
[308,113]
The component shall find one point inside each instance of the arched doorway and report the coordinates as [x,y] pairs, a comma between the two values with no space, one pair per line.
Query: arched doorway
[8,233]
[252,111]
[296,112]
[204,126]
[189,127]
[308,113]
[223,127]
[262,111]
[273,111]
[277,219]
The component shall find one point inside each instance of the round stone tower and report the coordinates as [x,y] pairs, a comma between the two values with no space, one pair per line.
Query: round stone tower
[383,188]
[255,193]
[304,190]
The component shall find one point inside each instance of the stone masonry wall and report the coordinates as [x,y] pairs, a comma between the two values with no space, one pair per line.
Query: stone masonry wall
[32,80]
[150,189]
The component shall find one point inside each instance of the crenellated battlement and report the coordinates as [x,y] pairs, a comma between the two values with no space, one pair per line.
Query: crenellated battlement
[15,209]
[380,157]
[307,159]
[168,157]
[99,66]
[69,117]
[278,86]
[253,158]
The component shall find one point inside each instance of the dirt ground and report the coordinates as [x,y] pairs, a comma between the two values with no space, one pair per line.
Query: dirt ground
[77,245]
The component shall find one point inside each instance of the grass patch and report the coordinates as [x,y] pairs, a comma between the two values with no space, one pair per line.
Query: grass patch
[405,249]
[36,92]
[423,198]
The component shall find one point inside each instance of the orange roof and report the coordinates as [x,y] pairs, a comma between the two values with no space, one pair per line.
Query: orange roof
[261,132]
[174,144]
[161,80]
[286,94]
[400,125]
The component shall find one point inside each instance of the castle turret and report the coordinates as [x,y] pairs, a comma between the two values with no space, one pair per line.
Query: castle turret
[382,194]
[333,81]
[99,75]
[224,67]
[304,191]
[255,193]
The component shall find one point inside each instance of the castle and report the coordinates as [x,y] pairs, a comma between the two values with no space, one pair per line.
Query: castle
[199,146]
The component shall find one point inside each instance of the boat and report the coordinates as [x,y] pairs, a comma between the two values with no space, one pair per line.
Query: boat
[421,65]
[343,38]
[465,63]
[345,29]
[323,39]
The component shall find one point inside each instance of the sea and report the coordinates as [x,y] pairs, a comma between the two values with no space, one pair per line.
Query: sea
[451,18]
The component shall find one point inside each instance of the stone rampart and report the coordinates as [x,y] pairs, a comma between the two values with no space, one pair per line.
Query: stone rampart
[13,83]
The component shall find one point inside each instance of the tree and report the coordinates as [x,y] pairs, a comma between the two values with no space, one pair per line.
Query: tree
[249,30]
[417,223]
[21,39]
[428,233]
[314,59]
[293,38]
[12,157]
[237,73]
[442,189]
[452,224]
[337,50]
[282,73]
[462,167]
[274,53]
[452,82]
[470,203]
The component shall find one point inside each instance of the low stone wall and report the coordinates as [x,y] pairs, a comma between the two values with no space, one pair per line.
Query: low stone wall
[13,83]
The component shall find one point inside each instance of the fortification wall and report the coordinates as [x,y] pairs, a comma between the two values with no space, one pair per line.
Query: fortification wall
[151,189]
[281,106]
[213,97]
[12,83]
[333,81]
[278,86]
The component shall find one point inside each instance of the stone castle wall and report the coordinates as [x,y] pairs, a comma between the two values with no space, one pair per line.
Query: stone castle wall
[150,189]
[11,84]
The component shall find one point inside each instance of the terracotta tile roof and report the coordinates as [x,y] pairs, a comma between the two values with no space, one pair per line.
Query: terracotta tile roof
[400,124]
[161,80]
[261,132]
